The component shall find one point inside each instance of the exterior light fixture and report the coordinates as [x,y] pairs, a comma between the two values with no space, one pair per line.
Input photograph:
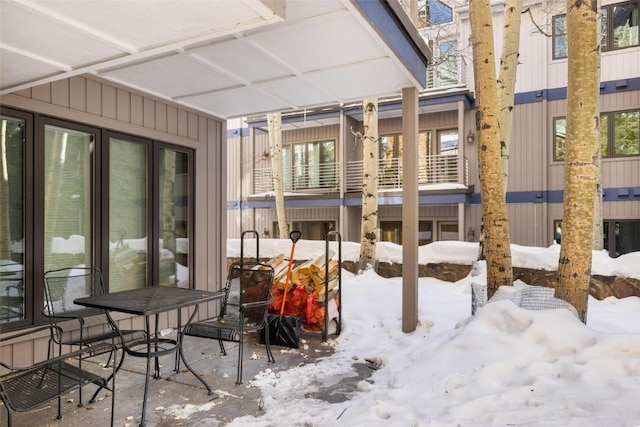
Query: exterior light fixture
[471,234]
[471,138]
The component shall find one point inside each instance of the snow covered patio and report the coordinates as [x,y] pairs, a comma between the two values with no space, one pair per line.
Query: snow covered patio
[179,399]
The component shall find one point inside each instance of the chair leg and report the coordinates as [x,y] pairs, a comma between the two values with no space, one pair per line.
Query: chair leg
[240,351]
[8,416]
[267,344]
[116,369]
[270,357]
[222,349]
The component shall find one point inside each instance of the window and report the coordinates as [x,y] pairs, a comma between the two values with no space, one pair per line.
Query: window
[175,217]
[559,138]
[313,230]
[390,168]
[619,28]
[624,134]
[128,213]
[559,37]
[13,213]
[309,165]
[448,68]
[620,237]
[433,12]
[69,180]
[619,134]
[391,231]
[83,196]
[448,230]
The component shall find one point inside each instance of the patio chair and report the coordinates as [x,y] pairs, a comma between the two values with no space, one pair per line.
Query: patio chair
[75,325]
[28,387]
[244,309]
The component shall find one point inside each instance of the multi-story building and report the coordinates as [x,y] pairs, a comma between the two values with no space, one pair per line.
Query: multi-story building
[323,157]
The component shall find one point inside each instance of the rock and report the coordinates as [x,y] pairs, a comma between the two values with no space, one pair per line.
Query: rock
[625,287]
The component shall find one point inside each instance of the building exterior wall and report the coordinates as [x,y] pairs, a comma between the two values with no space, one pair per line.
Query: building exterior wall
[536,180]
[90,101]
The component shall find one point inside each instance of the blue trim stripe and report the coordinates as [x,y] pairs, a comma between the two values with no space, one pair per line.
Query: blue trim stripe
[237,132]
[612,86]
[515,197]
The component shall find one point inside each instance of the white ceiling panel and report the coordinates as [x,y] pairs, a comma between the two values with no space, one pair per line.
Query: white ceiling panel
[172,76]
[227,58]
[16,68]
[236,101]
[297,92]
[323,44]
[237,56]
[350,82]
[136,23]
[36,33]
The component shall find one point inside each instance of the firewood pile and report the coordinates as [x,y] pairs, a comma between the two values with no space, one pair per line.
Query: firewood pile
[307,288]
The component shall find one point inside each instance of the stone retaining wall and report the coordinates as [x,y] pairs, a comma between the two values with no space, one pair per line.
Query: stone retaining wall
[600,288]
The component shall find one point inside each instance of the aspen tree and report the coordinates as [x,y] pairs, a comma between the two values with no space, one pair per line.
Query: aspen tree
[275,145]
[506,89]
[494,209]
[581,155]
[370,155]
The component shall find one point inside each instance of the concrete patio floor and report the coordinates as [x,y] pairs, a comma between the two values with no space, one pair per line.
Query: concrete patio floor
[169,395]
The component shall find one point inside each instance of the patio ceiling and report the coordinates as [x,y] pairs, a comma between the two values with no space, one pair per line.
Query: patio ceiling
[227,58]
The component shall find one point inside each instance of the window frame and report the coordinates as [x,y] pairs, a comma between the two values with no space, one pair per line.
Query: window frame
[34,203]
[611,143]
[606,28]
[289,162]
[33,295]
[558,35]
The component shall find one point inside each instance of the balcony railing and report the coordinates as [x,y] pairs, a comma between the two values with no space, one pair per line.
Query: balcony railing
[311,178]
[448,73]
[437,169]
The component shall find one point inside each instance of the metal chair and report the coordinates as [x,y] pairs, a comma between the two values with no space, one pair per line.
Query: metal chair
[25,388]
[244,309]
[75,325]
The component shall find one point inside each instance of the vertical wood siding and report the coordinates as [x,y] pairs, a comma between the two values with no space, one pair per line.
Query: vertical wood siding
[527,151]
[526,223]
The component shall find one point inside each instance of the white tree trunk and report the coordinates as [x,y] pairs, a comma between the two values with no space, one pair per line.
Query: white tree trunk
[370,155]
[275,144]
[494,207]
[581,158]
[507,79]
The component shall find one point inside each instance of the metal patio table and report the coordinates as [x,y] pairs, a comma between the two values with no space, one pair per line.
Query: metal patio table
[147,302]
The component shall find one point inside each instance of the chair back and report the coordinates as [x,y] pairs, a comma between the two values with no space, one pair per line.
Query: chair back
[64,285]
[75,324]
[248,284]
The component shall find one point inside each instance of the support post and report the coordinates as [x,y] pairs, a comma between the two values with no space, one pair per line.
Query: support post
[409,209]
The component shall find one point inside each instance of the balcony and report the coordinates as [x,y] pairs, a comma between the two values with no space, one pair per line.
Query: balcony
[324,178]
[448,72]
[321,178]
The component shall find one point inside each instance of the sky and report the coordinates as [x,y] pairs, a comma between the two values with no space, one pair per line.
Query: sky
[504,366]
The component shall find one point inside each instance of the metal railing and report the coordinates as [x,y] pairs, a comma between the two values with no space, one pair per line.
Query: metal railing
[452,72]
[323,177]
[436,169]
